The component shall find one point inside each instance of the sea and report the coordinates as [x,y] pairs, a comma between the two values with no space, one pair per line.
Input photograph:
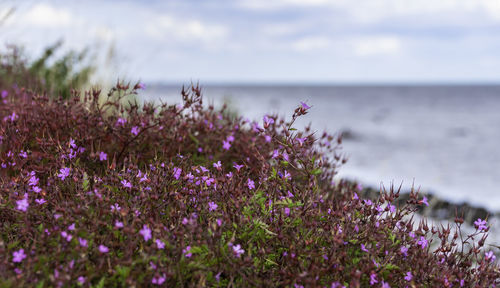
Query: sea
[441,139]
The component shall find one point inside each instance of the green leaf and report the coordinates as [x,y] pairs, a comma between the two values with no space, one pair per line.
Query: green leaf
[316,171]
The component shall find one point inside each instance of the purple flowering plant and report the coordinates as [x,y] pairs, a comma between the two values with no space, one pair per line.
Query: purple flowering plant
[269,191]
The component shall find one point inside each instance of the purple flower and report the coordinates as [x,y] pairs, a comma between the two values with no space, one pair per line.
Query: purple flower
[250,184]
[22,204]
[404,250]
[71,227]
[159,280]
[424,201]
[103,156]
[4,93]
[145,232]
[33,181]
[135,130]
[385,285]
[408,276]
[304,105]
[268,138]
[118,224]
[422,242]
[40,201]
[186,252]
[364,248]
[115,207]
[83,242]
[301,140]
[480,224]
[160,244]
[103,249]
[37,189]
[121,121]
[230,138]
[18,256]
[81,280]
[287,175]
[141,85]
[177,173]
[268,121]
[392,208]
[64,172]
[373,279]
[126,183]
[238,167]
[212,206]
[226,145]
[490,256]
[218,165]
[287,211]
[238,250]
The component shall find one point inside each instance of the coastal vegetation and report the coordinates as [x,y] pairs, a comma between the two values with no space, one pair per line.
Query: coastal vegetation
[97,190]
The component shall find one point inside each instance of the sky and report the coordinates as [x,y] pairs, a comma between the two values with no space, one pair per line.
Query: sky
[271,41]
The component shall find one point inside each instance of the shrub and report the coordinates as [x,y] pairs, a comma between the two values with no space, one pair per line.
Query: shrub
[52,74]
[106,194]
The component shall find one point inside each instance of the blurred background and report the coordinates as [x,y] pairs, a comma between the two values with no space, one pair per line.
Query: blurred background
[414,86]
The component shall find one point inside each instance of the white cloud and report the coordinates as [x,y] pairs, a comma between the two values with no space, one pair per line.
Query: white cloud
[166,26]
[43,15]
[311,43]
[376,45]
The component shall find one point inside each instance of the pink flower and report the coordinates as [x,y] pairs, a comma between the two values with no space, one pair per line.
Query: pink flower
[230,138]
[250,184]
[186,252]
[126,183]
[217,165]
[160,244]
[118,224]
[490,256]
[480,224]
[121,121]
[287,211]
[408,276]
[212,206]
[135,130]
[159,280]
[22,204]
[373,279]
[238,250]
[424,201]
[64,172]
[81,280]
[422,242]
[40,201]
[18,256]
[268,121]
[238,167]
[404,250]
[103,249]
[103,156]
[83,242]
[145,232]
[177,173]
[226,145]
